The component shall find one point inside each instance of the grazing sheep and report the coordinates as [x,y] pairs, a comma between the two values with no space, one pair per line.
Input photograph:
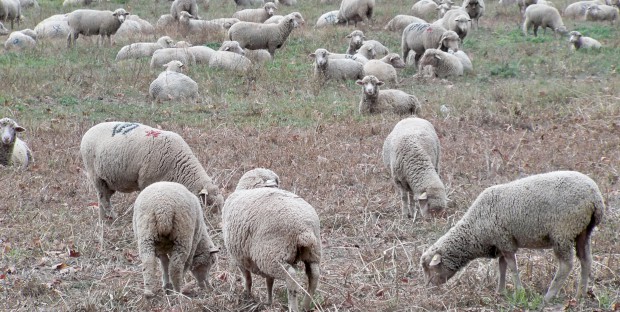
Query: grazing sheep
[258,177]
[419,37]
[326,68]
[268,230]
[580,42]
[10,10]
[13,151]
[179,6]
[443,64]
[143,49]
[577,10]
[3,30]
[199,30]
[425,9]
[327,19]
[20,40]
[259,15]
[375,101]
[400,22]
[354,11]
[201,54]
[169,225]
[457,20]
[94,22]
[256,36]
[411,154]
[127,157]
[557,210]
[163,56]
[53,27]
[468,67]
[602,12]
[230,57]
[171,84]
[475,9]
[540,15]
[385,68]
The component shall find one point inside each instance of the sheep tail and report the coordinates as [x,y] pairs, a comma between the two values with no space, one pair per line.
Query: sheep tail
[597,215]
[308,246]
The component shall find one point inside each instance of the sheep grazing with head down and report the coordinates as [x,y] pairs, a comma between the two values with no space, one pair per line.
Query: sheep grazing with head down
[172,85]
[443,64]
[127,157]
[256,36]
[580,42]
[420,37]
[541,15]
[21,40]
[259,15]
[375,101]
[13,151]
[94,22]
[267,231]
[425,9]
[169,225]
[557,210]
[354,11]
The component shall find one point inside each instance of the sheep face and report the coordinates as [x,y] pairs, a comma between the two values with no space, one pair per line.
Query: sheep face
[430,57]
[202,263]
[232,46]
[449,40]
[271,8]
[462,23]
[184,17]
[396,61]
[175,66]
[320,57]
[211,197]
[432,202]
[574,37]
[435,271]
[9,129]
[370,85]
[368,51]
[120,14]
[298,19]
[356,39]
[256,178]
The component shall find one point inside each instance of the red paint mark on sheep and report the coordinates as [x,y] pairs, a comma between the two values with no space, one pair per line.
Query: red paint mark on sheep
[153,133]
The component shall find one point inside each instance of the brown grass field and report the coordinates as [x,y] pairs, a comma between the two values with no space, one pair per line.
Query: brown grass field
[532,106]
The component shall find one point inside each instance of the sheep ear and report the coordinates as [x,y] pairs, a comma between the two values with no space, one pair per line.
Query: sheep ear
[435,261]
[20,129]
[348,36]
[380,83]
[359,82]
[270,183]
[423,196]
[214,250]
[312,55]
[438,57]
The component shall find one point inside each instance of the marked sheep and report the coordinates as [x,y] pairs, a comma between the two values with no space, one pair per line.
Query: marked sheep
[94,22]
[354,11]
[20,40]
[557,210]
[540,15]
[53,27]
[443,64]
[419,37]
[230,57]
[169,225]
[256,15]
[127,157]
[10,10]
[143,49]
[172,85]
[400,22]
[327,19]
[375,101]
[475,9]
[580,42]
[199,30]
[163,56]
[411,153]
[425,9]
[268,230]
[457,20]
[256,36]
[465,61]
[13,151]
[179,6]
[601,12]
[326,68]
[385,68]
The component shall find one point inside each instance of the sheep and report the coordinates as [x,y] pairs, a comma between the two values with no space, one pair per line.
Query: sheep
[249,2]
[465,61]
[475,9]
[230,57]
[10,10]
[258,177]
[134,28]
[168,224]
[263,36]
[327,19]
[225,22]
[67,3]
[13,151]
[540,15]
[411,153]
[443,64]
[144,49]
[580,42]
[19,40]
[326,68]
[356,39]
[425,9]
[256,15]
[260,56]
[266,231]
[354,11]
[94,22]
[375,101]
[419,37]
[400,22]
[602,12]
[356,57]
[3,30]
[367,51]
[577,9]
[378,48]
[166,24]
[163,56]
[53,27]
[179,6]
[385,68]
[201,54]
[274,19]
[127,157]
[557,210]
[201,30]
[457,20]
[173,85]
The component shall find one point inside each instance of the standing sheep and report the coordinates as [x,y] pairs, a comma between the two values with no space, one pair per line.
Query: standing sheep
[557,210]
[385,68]
[267,231]
[411,153]
[327,19]
[173,85]
[457,20]
[10,10]
[13,151]
[580,42]
[256,36]
[326,68]
[444,64]
[540,15]
[475,9]
[179,6]
[577,9]
[127,157]
[601,12]
[354,11]
[400,22]
[143,49]
[419,37]
[168,224]
[94,22]
[259,15]
[375,101]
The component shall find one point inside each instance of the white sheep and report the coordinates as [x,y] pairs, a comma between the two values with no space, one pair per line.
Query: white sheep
[263,36]
[225,22]
[200,30]
[171,84]
[475,9]
[168,224]
[557,210]
[443,64]
[356,57]
[540,15]
[326,68]
[134,28]
[356,39]
[10,10]
[425,9]
[144,49]
[602,12]
[3,30]
[274,19]
[580,42]
[375,101]
[400,22]
[183,44]
[256,15]
[377,48]
[202,54]
[385,68]
[94,22]
[327,19]
[258,177]
[179,6]
[267,231]
[163,56]
[468,67]
[53,27]
[577,9]
[457,20]
[230,57]
[13,151]
[354,11]
[166,24]
[20,40]
[67,3]
[420,37]
[127,157]
[411,153]
[260,56]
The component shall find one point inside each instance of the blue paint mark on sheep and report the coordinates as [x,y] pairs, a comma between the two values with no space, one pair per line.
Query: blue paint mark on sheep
[418,26]
[330,18]
[124,128]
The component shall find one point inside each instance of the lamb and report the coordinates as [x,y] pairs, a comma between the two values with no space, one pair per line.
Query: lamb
[201,30]
[179,6]
[602,12]
[163,56]
[354,11]
[168,224]
[20,40]
[400,22]
[266,231]
[230,57]
[375,101]
[256,15]
[171,84]
[425,9]
[465,61]
[457,20]
[326,68]
[144,49]
[444,64]
[419,37]
[53,27]
[13,151]
[10,10]
[475,9]
[411,153]
[94,22]
[580,42]
[263,36]
[540,15]
[557,210]
[385,68]
[327,19]
[127,157]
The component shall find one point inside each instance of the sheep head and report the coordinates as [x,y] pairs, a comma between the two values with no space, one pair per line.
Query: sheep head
[370,85]
[298,19]
[435,270]
[356,39]
[174,66]
[449,40]
[257,178]
[232,46]
[395,60]
[271,8]
[320,58]
[120,15]
[9,129]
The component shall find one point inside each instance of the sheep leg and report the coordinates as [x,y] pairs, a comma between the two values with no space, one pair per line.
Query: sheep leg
[511,262]
[313,272]
[585,258]
[104,193]
[404,201]
[247,276]
[291,287]
[149,268]
[565,257]
[502,274]
[178,257]
[269,282]
[164,261]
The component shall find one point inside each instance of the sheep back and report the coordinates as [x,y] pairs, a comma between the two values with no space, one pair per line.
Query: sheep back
[400,22]
[354,11]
